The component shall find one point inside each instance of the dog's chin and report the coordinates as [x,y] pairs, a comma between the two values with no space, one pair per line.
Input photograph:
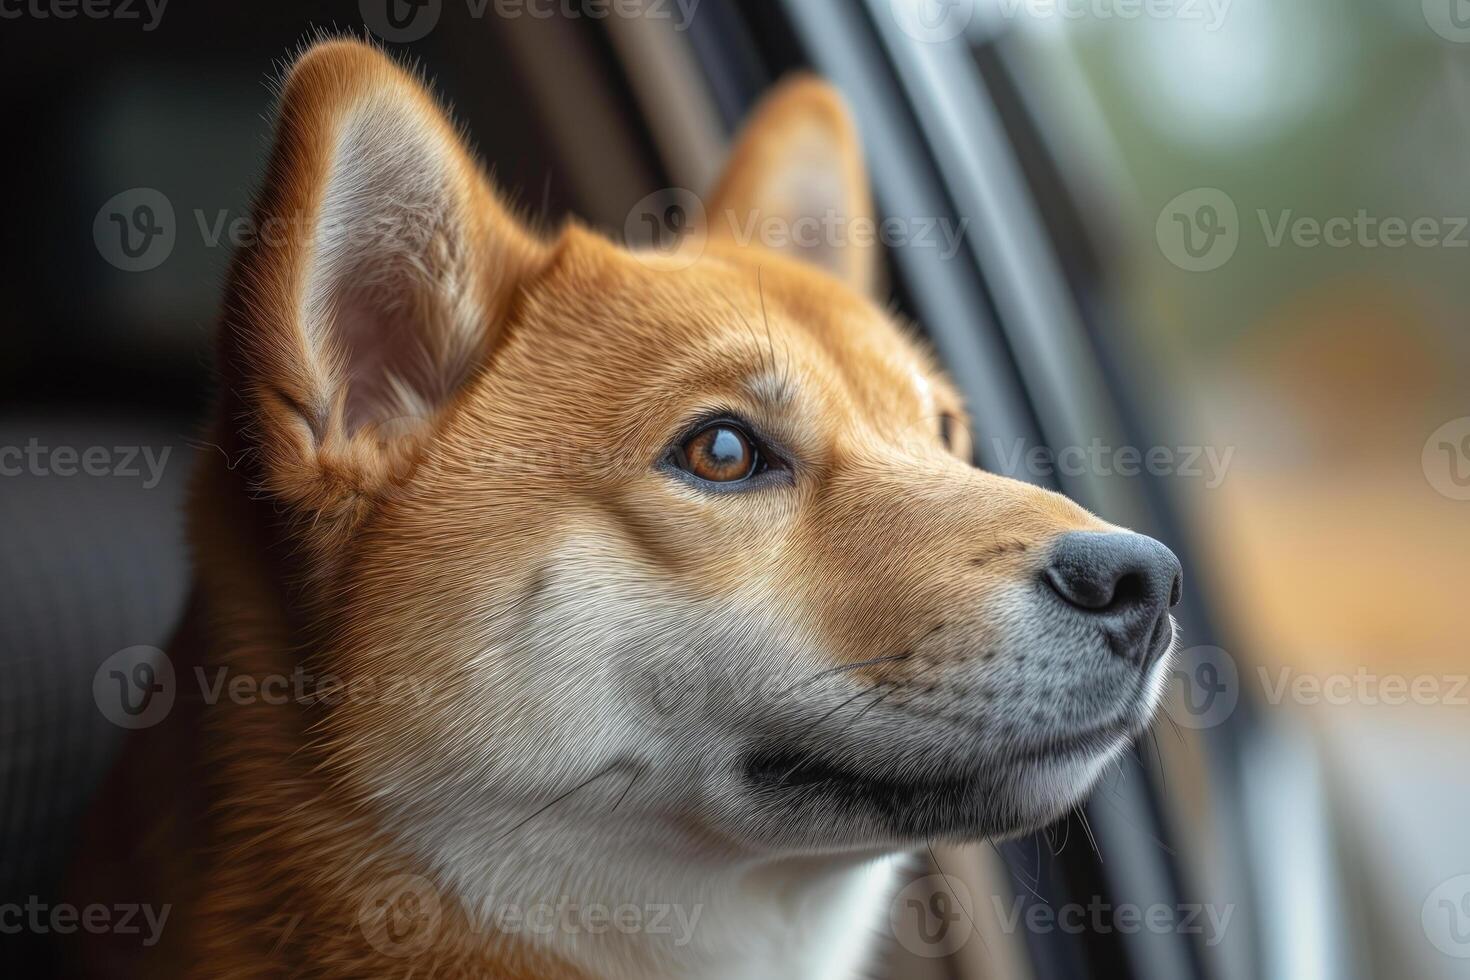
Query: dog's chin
[821,799]
[833,800]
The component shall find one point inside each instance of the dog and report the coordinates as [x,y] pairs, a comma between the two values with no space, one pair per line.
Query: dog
[653,587]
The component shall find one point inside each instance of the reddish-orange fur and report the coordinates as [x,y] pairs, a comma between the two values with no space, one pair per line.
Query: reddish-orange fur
[306,552]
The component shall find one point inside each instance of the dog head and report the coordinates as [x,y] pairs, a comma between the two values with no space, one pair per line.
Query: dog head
[690,537]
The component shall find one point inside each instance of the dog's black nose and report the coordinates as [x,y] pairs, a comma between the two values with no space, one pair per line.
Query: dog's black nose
[1126,581]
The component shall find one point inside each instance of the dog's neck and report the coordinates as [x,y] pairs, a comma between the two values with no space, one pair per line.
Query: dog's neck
[642,909]
[577,892]
[642,897]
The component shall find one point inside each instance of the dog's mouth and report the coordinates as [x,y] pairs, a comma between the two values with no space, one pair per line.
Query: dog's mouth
[784,768]
[779,769]
[966,797]
[797,779]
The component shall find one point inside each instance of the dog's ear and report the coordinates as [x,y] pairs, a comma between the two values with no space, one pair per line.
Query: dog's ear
[380,272]
[795,182]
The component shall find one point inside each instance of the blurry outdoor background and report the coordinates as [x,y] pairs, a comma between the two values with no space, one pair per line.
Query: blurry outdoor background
[1331,359]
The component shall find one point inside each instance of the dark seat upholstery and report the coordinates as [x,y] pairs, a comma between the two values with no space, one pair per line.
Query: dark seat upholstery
[90,565]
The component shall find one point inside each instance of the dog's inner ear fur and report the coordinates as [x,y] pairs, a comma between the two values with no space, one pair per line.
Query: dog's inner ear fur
[384,269]
[795,183]
[390,282]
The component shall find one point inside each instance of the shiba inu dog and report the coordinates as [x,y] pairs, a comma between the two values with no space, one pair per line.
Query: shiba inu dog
[661,603]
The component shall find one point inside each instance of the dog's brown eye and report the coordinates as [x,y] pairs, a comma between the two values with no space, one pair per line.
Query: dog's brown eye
[719,453]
